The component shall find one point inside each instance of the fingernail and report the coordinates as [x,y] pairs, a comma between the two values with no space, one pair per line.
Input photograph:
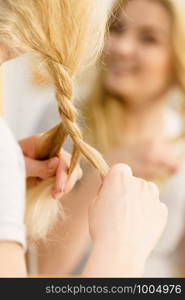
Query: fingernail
[53,163]
[58,195]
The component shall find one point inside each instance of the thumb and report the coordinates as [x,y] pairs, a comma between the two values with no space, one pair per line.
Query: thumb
[41,169]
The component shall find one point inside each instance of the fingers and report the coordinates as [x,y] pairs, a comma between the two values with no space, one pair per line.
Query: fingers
[157,171]
[120,175]
[169,163]
[154,189]
[41,169]
[116,181]
[119,170]
[157,159]
[29,145]
[163,211]
[58,167]
[154,207]
[63,183]
[75,176]
[61,177]
[164,161]
[161,218]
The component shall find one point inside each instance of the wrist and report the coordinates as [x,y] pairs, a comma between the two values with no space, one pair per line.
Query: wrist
[126,259]
[113,260]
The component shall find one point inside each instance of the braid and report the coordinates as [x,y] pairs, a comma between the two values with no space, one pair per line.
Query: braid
[64,92]
[63,34]
[42,210]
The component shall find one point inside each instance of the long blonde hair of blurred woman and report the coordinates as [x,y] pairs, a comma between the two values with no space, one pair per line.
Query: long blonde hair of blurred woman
[62,35]
[103,113]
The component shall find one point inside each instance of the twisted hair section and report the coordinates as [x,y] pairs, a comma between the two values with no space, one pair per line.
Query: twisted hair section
[65,37]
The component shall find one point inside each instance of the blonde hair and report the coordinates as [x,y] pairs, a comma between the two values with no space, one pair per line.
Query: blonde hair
[62,35]
[104,113]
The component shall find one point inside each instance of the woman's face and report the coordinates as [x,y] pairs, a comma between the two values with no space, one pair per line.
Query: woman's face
[139,52]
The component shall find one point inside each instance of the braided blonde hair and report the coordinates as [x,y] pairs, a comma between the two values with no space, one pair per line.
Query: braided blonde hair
[59,33]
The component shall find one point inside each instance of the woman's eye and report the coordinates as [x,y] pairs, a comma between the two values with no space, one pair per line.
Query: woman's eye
[148,39]
[117,28]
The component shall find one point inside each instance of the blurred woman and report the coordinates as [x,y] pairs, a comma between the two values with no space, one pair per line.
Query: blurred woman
[133,115]
[57,32]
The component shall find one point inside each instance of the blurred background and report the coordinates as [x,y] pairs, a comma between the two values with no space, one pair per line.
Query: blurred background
[132,109]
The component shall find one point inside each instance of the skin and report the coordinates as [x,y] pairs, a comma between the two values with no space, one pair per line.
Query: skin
[12,252]
[140,72]
[116,201]
[120,183]
[138,52]
[110,218]
[57,166]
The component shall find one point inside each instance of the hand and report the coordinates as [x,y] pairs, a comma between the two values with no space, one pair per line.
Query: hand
[56,166]
[127,217]
[150,159]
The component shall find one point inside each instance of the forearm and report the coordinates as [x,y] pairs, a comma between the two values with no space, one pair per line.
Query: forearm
[112,262]
[12,260]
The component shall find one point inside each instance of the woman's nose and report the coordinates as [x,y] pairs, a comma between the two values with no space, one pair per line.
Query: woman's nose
[126,45]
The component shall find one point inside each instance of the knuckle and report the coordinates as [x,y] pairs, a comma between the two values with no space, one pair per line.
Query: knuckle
[141,182]
[47,171]
[45,174]
[121,169]
[154,188]
[163,210]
